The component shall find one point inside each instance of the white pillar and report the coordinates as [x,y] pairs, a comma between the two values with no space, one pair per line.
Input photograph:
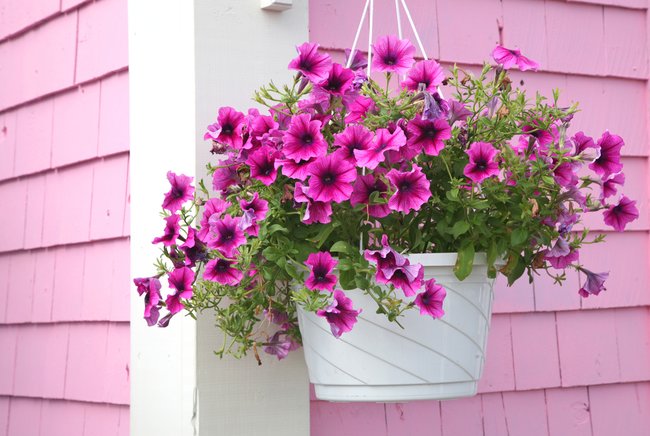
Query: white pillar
[185,60]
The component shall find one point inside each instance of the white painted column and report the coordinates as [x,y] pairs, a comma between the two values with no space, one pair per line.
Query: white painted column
[185,60]
[239,48]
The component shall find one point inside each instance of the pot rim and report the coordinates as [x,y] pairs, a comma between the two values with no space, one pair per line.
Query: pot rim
[443,259]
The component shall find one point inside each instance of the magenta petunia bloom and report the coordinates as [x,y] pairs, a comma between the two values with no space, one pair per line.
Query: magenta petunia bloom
[222,271]
[354,137]
[624,212]
[509,58]
[225,175]
[424,76]
[331,179]
[582,142]
[226,234]
[320,275]
[383,141]
[609,185]
[262,164]
[181,280]
[363,188]
[295,170]
[481,162]
[609,161]
[594,284]
[304,139]
[563,260]
[316,211]
[428,134]
[312,64]
[340,314]
[150,288]
[214,206]
[431,300]
[392,55]
[338,80]
[261,128]
[395,269]
[359,61]
[172,229]
[358,109]
[231,123]
[544,137]
[279,347]
[193,248]
[412,189]
[257,205]
[565,174]
[457,112]
[181,191]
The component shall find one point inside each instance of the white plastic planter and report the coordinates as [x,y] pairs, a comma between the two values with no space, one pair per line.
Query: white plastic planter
[428,359]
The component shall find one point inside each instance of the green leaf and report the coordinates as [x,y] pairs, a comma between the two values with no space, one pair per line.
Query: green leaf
[341,247]
[459,228]
[517,270]
[346,279]
[492,254]
[325,233]
[465,261]
[277,228]
[518,236]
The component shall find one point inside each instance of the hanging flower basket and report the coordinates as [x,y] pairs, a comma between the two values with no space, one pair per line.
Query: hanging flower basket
[317,205]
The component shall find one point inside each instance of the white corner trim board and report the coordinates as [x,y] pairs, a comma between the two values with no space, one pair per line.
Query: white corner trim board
[186,59]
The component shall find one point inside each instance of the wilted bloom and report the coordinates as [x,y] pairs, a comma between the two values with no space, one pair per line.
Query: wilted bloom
[181,191]
[359,61]
[609,161]
[193,248]
[225,175]
[509,58]
[231,123]
[582,142]
[354,137]
[358,109]
[565,174]
[434,107]
[214,206]
[609,185]
[340,314]
[481,162]
[295,170]
[395,269]
[594,284]
[624,212]
[457,112]
[226,234]
[314,65]
[382,142]
[562,261]
[428,134]
[222,271]
[150,288]
[316,211]
[412,189]
[320,274]
[172,229]
[338,80]
[278,347]
[331,179]
[181,280]
[392,55]
[262,164]
[363,188]
[304,139]
[431,300]
[424,76]
[257,205]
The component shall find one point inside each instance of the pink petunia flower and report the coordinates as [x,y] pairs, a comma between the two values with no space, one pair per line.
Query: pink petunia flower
[316,211]
[172,230]
[262,164]
[431,300]
[226,175]
[340,314]
[181,280]
[482,163]
[354,137]
[359,61]
[457,112]
[428,134]
[358,108]
[509,58]
[337,82]
[226,235]
[609,185]
[150,288]
[181,191]
[395,269]
[331,179]
[618,216]
[222,271]
[363,188]
[304,139]
[424,76]
[214,206]
[295,170]
[392,55]
[320,275]
[230,125]
[412,189]
[594,284]
[312,64]
[609,161]
[383,141]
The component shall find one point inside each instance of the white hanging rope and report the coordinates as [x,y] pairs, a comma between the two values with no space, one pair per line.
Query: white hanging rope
[371,20]
[399,19]
[356,37]
[415,31]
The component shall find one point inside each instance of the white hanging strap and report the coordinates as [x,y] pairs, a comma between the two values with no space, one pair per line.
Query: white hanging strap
[399,19]
[356,37]
[371,20]
[415,31]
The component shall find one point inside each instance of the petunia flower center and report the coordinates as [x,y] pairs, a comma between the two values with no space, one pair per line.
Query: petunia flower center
[405,186]
[390,60]
[328,178]
[320,273]
[430,133]
[227,129]
[227,235]
[307,138]
[481,165]
[333,84]
[221,266]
